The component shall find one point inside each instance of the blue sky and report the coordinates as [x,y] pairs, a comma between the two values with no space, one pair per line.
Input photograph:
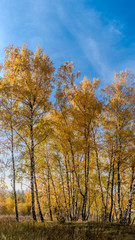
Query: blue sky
[97,35]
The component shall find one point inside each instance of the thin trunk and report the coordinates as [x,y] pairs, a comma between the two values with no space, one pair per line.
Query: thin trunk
[99,179]
[49,197]
[36,188]
[118,173]
[114,203]
[77,179]
[85,214]
[99,176]
[14,180]
[112,184]
[37,198]
[119,183]
[63,188]
[85,173]
[76,204]
[86,169]
[32,194]
[132,179]
[73,197]
[55,194]
[32,167]
[73,163]
[123,220]
[84,208]
[85,195]
[88,211]
[96,208]
[68,188]
[108,183]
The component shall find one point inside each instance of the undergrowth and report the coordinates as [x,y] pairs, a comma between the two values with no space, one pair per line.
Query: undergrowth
[28,230]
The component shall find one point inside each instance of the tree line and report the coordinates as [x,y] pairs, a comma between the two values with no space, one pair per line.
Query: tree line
[74,143]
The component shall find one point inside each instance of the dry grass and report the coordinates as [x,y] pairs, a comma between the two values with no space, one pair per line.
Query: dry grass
[29,230]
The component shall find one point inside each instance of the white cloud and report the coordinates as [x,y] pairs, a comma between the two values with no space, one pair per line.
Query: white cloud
[95,39]
[67,30]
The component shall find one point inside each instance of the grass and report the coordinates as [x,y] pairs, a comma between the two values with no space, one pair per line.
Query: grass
[29,230]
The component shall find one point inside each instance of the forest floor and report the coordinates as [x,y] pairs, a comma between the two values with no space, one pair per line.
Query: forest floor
[29,230]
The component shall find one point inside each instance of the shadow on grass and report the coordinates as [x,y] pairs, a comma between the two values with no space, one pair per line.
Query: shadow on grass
[28,230]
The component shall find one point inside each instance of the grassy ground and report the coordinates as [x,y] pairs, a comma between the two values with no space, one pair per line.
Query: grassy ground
[28,230]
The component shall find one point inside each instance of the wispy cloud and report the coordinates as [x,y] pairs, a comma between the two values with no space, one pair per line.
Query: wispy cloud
[68,30]
[96,40]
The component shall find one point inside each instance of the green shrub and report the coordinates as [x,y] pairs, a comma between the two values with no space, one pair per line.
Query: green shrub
[61,219]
